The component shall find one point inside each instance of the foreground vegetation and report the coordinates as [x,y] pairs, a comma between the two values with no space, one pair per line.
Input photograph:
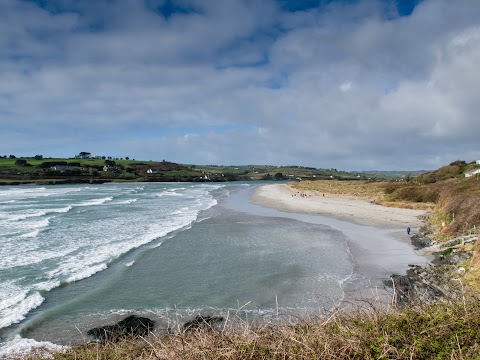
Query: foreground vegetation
[440,331]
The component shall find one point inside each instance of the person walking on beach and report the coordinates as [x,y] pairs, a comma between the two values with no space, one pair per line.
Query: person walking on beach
[408,230]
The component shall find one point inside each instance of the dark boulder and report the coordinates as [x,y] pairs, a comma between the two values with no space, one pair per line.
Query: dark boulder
[131,326]
[420,241]
[403,285]
[201,322]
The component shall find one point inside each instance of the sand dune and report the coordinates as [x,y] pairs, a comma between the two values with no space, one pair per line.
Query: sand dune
[282,197]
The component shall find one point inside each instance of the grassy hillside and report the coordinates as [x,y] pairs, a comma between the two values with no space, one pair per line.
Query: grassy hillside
[73,170]
[18,170]
[268,172]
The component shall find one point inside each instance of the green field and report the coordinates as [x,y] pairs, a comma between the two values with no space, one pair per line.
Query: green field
[21,170]
[39,170]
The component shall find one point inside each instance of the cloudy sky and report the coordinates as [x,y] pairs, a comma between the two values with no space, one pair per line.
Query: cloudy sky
[349,84]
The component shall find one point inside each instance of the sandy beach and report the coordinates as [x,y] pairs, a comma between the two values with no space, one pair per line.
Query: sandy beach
[282,197]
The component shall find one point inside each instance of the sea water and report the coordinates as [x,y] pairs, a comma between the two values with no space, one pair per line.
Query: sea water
[75,257]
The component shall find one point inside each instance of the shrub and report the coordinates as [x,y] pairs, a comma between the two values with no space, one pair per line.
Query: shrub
[21,162]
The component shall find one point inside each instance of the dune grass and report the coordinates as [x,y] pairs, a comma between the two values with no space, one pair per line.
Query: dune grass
[376,191]
[455,201]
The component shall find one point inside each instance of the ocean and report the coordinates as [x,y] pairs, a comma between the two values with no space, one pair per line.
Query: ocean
[75,257]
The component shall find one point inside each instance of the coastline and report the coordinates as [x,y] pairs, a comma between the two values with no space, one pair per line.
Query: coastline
[376,249]
[363,212]
[377,240]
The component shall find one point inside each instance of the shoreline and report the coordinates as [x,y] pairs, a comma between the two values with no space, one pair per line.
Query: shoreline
[377,240]
[359,211]
[433,277]
[363,242]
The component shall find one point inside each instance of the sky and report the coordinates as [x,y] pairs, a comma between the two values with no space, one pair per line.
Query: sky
[346,84]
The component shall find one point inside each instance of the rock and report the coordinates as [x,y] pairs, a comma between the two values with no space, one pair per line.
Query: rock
[450,257]
[131,326]
[403,287]
[425,284]
[200,322]
[419,241]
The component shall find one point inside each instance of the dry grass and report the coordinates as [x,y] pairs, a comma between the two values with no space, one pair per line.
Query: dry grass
[377,191]
[456,201]
[441,331]
[361,189]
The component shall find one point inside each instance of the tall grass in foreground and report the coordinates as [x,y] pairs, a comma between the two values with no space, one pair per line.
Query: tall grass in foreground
[440,331]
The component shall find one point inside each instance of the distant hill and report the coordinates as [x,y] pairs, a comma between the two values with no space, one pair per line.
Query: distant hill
[39,170]
[292,172]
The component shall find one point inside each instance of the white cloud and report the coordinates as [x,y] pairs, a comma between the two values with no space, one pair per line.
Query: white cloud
[346,86]
[243,82]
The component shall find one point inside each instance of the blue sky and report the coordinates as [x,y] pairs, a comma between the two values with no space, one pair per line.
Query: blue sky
[349,84]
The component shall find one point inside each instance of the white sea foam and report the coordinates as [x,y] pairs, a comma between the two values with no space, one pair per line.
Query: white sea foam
[11,294]
[86,272]
[16,313]
[95,201]
[20,347]
[38,224]
[37,213]
[47,285]
[180,211]
[28,255]
[70,257]
[169,193]
[31,234]
[34,192]
[7,202]
[126,202]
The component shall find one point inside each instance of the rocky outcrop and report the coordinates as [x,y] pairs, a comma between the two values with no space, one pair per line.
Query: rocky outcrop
[439,280]
[131,326]
[426,284]
[419,241]
[202,322]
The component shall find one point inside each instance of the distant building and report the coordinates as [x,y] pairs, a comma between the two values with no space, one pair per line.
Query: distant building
[111,168]
[470,173]
[478,162]
[152,171]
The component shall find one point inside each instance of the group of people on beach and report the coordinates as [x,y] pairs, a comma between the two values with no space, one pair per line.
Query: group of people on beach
[303,195]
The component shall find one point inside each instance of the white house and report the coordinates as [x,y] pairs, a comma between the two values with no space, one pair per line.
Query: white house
[478,162]
[152,171]
[470,173]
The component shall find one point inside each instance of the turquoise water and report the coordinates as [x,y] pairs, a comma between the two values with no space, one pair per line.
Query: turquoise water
[75,257]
